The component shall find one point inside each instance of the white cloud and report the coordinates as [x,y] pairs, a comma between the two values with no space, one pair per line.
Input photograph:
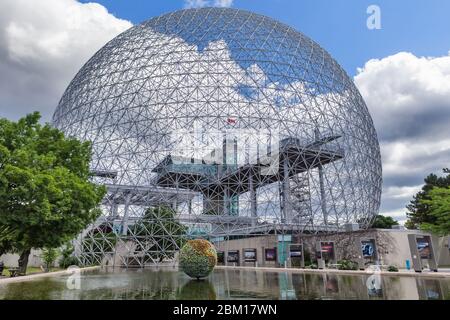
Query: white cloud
[207,3]
[223,3]
[409,99]
[43,43]
[408,96]
[404,193]
[397,214]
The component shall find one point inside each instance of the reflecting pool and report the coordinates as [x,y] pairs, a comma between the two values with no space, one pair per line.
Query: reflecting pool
[227,284]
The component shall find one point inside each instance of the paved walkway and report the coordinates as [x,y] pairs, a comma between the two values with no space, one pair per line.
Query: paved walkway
[445,273]
[41,275]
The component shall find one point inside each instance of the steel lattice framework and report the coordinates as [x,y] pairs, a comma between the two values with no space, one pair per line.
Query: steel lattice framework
[237,123]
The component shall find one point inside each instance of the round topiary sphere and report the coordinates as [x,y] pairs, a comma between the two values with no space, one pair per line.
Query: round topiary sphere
[198,258]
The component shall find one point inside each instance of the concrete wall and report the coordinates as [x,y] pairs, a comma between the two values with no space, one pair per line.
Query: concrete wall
[34,260]
[258,243]
[392,246]
[443,251]
[400,251]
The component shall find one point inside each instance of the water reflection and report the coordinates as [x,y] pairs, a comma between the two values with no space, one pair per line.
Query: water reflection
[197,290]
[229,284]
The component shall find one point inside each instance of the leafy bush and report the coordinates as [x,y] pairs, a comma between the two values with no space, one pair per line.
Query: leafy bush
[95,246]
[346,264]
[162,224]
[307,257]
[49,256]
[67,258]
[392,269]
[198,258]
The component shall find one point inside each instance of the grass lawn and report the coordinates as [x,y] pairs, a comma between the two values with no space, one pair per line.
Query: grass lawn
[30,270]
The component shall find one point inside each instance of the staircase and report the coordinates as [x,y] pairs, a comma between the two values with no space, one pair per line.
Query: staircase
[300,199]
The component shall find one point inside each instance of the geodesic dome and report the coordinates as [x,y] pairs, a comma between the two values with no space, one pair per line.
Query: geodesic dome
[236,122]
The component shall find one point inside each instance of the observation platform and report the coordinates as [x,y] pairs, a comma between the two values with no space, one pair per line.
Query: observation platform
[291,159]
[143,195]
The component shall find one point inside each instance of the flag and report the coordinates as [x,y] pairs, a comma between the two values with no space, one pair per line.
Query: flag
[231,121]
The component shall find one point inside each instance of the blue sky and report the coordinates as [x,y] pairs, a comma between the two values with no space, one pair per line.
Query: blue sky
[420,27]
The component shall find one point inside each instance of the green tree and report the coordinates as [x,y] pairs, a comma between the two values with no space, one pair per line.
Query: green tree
[6,239]
[167,235]
[438,204]
[49,256]
[383,222]
[45,192]
[67,258]
[418,209]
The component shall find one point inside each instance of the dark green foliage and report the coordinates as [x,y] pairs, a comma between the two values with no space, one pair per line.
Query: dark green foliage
[49,256]
[197,290]
[346,264]
[198,258]
[419,209]
[6,239]
[438,204]
[67,258]
[96,245]
[383,222]
[392,269]
[45,192]
[307,257]
[160,234]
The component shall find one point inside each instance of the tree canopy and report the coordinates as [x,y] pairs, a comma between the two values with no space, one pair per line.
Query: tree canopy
[419,212]
[45,192]
[167,235]
[438,204]
[383,222]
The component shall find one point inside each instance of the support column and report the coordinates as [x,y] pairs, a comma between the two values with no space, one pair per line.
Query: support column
[114,209]
[323,201]
[175,205]
[253,200]
[286,212]
[190,207]
[226,202]
[125,215]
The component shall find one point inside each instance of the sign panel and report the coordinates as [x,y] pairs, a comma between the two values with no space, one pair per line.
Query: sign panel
[250,255]
[271,254]
[220,257]
[295,251]
[424,247]
[327,249]
[368,248]
[233,256]
[284,237]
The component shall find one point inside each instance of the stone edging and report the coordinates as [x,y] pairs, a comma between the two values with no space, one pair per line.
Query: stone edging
[42,275]
[343,272]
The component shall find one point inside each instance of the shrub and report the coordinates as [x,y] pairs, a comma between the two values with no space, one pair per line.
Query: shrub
[198,258]
[96,246]
[392,269]
[67,258]
[49,256]
[346,264]
[307,257]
